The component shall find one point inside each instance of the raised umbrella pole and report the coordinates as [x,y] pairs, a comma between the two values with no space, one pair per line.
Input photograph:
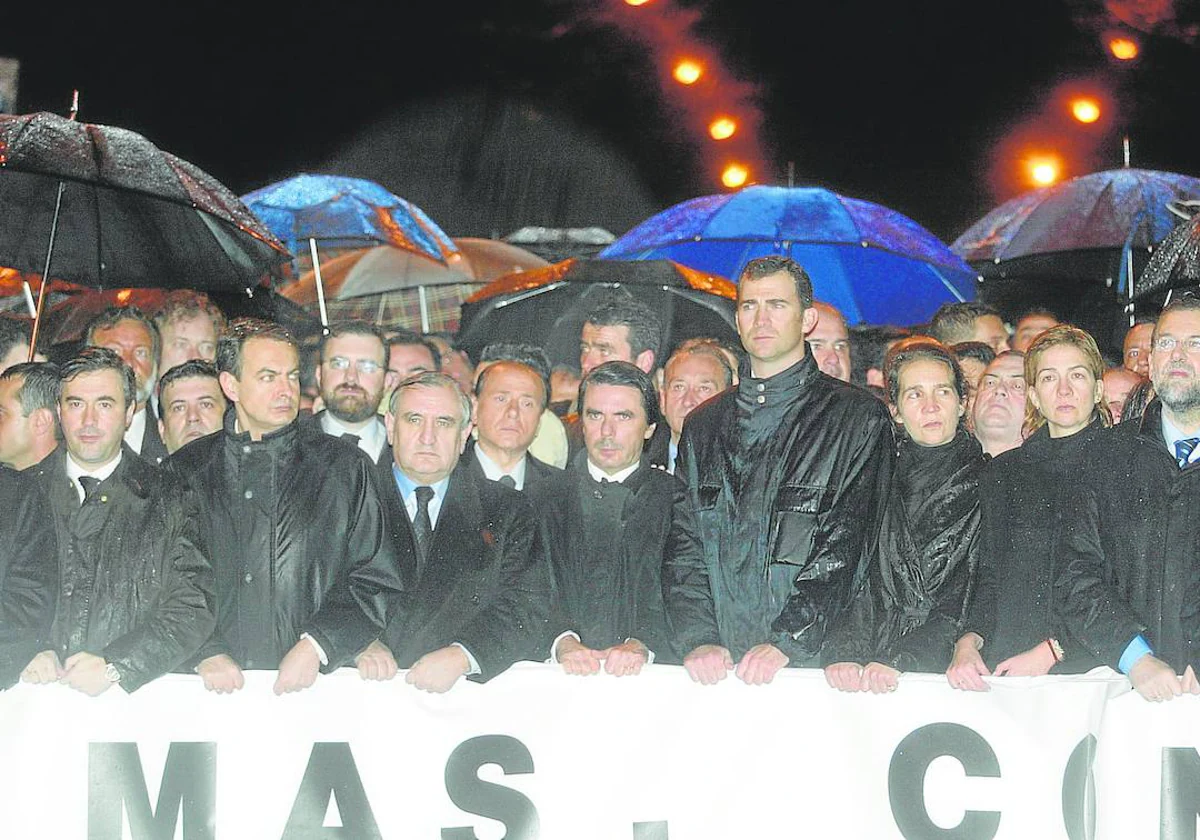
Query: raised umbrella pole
[41,301]
[29,302]
[424,309]
[316,261]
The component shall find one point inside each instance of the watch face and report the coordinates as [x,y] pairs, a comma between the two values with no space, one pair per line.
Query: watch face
[111,673]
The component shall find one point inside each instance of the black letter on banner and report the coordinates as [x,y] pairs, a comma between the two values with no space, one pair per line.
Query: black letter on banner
[331,771]
[1180,800]
[469,792]
[1079,792]
[115,778]
[906,781]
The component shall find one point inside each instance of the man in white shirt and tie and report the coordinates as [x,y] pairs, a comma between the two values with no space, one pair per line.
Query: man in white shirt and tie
[353,376]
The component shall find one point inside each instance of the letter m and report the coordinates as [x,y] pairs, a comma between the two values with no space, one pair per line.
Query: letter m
[117,785]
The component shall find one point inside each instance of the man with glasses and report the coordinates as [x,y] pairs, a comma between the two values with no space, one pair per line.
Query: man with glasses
[1128,585]
[353,378]
[999,409]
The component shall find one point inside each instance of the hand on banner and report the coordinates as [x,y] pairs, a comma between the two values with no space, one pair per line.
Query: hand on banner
[967,668]
[221,674]
[878,678]
[576,658]
[626,659]
[1154,679]
[844,676]
[376,662]
[437,672]
[1035,662]
[85,672]
[43,669]
[760,664]
[1190,684]
[708,664]
[299,668]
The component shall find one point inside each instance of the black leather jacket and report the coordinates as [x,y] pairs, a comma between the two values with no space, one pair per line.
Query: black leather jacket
[28,573]
[294,526]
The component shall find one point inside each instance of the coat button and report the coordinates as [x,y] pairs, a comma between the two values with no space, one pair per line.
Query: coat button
[249,578]
[249,494]
[246,449]
[598,494]
[762,387]
[761,399]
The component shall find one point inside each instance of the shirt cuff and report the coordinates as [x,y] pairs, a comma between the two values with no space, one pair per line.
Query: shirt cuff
[649,653]
[316,646]
[553,660]
[1134,651]
[473,668]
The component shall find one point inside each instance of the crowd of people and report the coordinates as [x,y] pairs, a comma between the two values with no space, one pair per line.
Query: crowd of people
[195,496]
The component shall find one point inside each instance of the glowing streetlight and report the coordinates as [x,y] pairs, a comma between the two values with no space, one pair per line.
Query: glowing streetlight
[734,175]
[1043,171]
[687,72]
[722,128]
[1123,49]
[1085,110]
[637,2]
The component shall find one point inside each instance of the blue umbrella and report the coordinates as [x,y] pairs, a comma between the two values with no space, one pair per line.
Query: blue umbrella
[341,212]
[876,265]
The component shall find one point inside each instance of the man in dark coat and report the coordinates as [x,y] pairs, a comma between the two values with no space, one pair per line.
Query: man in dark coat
[631,582]
[28,414]
[293,521]
[135,599]
[28,573]
[1128,583]
[786,473]
[476,581]
[353,376]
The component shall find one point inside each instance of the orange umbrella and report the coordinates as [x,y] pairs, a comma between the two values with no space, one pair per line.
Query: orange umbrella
[615,270]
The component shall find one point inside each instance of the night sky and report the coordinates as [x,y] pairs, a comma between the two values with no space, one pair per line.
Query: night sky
[494,115]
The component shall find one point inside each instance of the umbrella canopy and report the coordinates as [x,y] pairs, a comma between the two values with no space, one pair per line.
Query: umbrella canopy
[547,307]
[373,271]
[874,264]
[487,259]
[130,215]
[1175,263]
[341,212]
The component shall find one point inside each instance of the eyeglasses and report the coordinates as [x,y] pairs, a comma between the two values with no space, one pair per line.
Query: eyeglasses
[363,366]
[1167,343]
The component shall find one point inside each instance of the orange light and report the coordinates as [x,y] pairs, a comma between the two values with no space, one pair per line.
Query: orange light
[1124,49]
[1043,171]
[123,296]
[734,175]
[637,2]
[1085,110]
[722,128]
[688,72]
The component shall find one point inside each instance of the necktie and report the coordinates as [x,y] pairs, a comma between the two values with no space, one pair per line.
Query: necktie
[508,481]
[422,524]
[350,438]
[1183,450]
[89,484]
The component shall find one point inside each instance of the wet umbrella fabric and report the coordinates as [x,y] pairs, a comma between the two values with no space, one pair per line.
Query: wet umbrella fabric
[547,307]
[874,264]
[131,214]
[1175,263]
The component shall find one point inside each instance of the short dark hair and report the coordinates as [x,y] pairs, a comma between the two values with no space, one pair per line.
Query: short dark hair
[233,341]
[545,380]
[774,264]
[954,323]
[870,344]
[1186,302]
[1035,311]
[624,310]
[190,369]
[13,333]
[915,349]
[433,379]
[39,385]
[361,328]
[977,350]
[185,304]
[708,349]
[408,338]
[529,355]
[627,375]
[94,359]
[114,315]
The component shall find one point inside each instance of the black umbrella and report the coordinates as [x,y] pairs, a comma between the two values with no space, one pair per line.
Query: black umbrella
[1175,263]
[547,306]
[103,207]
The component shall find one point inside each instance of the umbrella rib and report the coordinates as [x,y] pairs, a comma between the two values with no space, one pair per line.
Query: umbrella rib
[520,296]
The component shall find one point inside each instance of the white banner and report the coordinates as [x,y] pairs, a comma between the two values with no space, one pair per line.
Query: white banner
[537,754]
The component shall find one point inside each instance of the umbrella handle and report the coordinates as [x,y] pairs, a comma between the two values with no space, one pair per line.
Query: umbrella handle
[316,261]
[37,315]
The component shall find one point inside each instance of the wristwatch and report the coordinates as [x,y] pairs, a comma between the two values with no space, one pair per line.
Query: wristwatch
[111,673]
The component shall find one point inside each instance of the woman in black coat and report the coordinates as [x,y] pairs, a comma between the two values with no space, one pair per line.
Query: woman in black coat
[1010,619]
[909,611]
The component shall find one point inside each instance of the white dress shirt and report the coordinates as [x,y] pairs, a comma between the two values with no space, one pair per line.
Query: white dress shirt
[370,440]
[493,471]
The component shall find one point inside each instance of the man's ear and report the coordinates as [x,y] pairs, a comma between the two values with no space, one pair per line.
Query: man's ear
[317,374]
[809,320]
[43,420]
[229,385]
[650,431]
[645,361]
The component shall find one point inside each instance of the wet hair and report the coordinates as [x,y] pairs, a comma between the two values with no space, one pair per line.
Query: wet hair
[627,375]
[408,338]
[624,310]
[1062,335]
[232,342]
[919,348]
[764,266]
[13,333]
[185,304]
[977,350]
[94,359]
[39,385]
[360,328]
[955,322]
[190,369]
[433,379]
[114,315]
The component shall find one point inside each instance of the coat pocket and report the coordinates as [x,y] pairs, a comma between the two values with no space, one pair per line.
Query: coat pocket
[794,523]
